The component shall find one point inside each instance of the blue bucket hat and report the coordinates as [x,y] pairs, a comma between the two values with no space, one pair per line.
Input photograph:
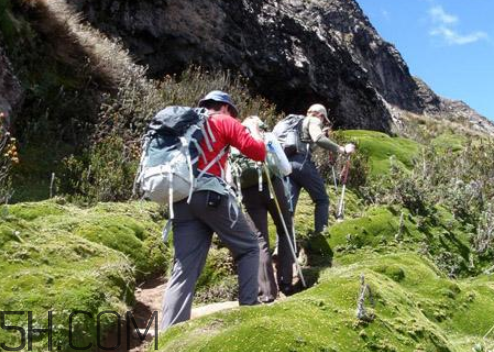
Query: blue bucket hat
[219,96]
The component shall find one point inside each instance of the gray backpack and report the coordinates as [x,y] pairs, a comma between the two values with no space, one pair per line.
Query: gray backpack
[289,134]
[170,153]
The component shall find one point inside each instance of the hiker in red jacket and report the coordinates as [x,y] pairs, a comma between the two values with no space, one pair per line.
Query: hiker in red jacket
[213,208]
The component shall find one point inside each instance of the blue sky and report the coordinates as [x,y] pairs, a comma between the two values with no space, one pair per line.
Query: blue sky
[447,43]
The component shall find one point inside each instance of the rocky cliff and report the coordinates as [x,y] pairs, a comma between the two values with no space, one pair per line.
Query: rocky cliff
[294,52]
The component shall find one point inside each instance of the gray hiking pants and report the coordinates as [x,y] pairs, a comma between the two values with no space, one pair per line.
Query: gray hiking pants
[193,228]
[258,204]
[306,176]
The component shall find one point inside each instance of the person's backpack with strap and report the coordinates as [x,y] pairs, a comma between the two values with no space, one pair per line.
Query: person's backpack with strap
[276,159]
[246,172]
[289,134]
[170,153]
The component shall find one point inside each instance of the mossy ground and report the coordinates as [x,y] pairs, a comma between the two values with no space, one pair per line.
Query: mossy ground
[61,258]
[416,308]
[380,147]
[428,293]
[424,277]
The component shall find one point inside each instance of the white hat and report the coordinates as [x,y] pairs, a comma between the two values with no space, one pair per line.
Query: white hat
[320,109]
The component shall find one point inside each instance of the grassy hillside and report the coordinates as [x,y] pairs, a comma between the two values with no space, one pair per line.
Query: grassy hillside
[58,257]
[429,275]
[431,288]
[380,148]
[418,226]
[413,308]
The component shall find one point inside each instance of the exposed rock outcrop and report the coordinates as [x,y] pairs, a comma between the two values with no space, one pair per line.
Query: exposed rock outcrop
[293,52]
[452,110]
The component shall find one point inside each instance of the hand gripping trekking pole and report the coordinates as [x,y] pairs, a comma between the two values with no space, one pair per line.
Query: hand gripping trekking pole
[344,178]
[289,238]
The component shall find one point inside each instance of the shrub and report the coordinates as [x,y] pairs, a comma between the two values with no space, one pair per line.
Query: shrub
[106,170]
[8,157]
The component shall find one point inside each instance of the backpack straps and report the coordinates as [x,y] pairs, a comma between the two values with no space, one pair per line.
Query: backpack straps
[205,170]
[214,161]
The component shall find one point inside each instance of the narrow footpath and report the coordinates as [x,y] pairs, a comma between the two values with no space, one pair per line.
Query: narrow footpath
[149,297]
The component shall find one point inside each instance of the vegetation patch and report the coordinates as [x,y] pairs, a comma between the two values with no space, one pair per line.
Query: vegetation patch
[61,258]
[323,318]
[380,147]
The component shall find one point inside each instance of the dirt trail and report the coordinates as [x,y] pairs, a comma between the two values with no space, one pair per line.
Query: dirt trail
[149,297]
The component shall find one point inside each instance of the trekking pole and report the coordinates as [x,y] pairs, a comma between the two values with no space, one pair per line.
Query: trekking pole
[288,195]
[332,162]
[292,250]
[344,177]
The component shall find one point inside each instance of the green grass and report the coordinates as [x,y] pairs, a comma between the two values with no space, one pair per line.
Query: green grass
[127,228]
[378,229]
[95,255]
[422,311]
[450,141]
[380,148]
[61,258]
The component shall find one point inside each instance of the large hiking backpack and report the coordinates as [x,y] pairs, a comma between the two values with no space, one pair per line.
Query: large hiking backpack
[289,134]
[170,152]
[245,172]
[248,173]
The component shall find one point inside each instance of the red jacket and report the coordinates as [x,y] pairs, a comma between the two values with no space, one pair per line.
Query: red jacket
[229,131]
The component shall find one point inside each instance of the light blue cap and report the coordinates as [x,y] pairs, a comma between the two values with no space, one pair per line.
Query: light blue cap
[219,96]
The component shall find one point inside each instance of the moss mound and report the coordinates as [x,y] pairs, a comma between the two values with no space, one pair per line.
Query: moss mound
[132,229]
[423,311]
[390,229]
[61,258]
[380,148]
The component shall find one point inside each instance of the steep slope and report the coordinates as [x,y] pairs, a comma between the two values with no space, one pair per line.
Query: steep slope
[426,286]
[60,258]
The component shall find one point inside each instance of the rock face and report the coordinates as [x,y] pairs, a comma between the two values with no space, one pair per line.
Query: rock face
[294,52]
[10,88]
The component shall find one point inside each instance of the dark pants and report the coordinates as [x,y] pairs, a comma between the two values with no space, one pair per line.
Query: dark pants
[306,176]
[193,228]
[258,204]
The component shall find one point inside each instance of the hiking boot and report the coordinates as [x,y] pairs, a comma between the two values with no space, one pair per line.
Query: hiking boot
[267,300]
[287,289]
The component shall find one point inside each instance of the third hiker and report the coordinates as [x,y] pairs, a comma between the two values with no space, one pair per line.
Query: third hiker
[300,135]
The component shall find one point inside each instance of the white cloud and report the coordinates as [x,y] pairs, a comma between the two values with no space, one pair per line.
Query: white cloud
[454,38]
[438,15]
[385,14]
[444,28]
